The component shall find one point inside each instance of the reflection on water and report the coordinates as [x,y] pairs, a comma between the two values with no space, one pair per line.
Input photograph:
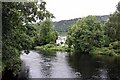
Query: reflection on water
[47,66]
[98,67]
[67,65]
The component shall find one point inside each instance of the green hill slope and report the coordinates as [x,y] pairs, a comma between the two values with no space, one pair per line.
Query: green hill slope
[62,26]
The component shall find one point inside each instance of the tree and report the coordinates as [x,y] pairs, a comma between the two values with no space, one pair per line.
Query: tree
[46,33]
[113,25]
[17,34]
[85,34]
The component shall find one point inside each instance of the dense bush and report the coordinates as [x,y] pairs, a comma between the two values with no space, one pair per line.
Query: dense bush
[85,34]
[46,33]
[115,45]
[53,47]
[102,51]
[113,25]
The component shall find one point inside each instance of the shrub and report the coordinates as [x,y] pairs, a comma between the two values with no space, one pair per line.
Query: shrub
[115,45]
[85,34]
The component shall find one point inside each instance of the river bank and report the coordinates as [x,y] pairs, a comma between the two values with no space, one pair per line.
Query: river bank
[53,47]
[108,51]
[113,49]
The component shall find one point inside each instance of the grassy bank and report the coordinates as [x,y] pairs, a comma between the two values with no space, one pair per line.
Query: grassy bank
[105,51]
[112,50]
[53,47]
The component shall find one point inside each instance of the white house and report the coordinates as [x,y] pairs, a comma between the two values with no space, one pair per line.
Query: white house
[61,39]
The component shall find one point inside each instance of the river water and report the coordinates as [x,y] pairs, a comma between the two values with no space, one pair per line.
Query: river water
[68,65]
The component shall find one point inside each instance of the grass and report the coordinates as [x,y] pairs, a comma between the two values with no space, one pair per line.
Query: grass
[105,51]
[112,50]
[53,47]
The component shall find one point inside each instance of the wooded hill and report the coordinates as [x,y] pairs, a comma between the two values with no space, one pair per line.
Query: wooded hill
[62,26]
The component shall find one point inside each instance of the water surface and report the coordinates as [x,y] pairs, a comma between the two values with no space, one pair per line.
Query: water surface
[68,65]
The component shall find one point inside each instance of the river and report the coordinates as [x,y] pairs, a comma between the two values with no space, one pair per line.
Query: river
[68,65]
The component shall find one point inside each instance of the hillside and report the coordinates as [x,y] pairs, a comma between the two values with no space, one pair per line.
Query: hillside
[62,26]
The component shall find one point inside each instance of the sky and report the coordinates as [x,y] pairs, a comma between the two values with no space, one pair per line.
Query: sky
[70,9]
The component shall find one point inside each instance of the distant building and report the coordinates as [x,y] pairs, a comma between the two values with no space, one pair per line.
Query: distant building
[61,39]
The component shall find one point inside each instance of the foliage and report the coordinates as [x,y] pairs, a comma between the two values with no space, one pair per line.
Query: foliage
[112,31]
[46,34]
[112,50]
[103,51]
[85,34]
[113,25]
[17,34]
[62,26]
[52,47]
[115,45]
